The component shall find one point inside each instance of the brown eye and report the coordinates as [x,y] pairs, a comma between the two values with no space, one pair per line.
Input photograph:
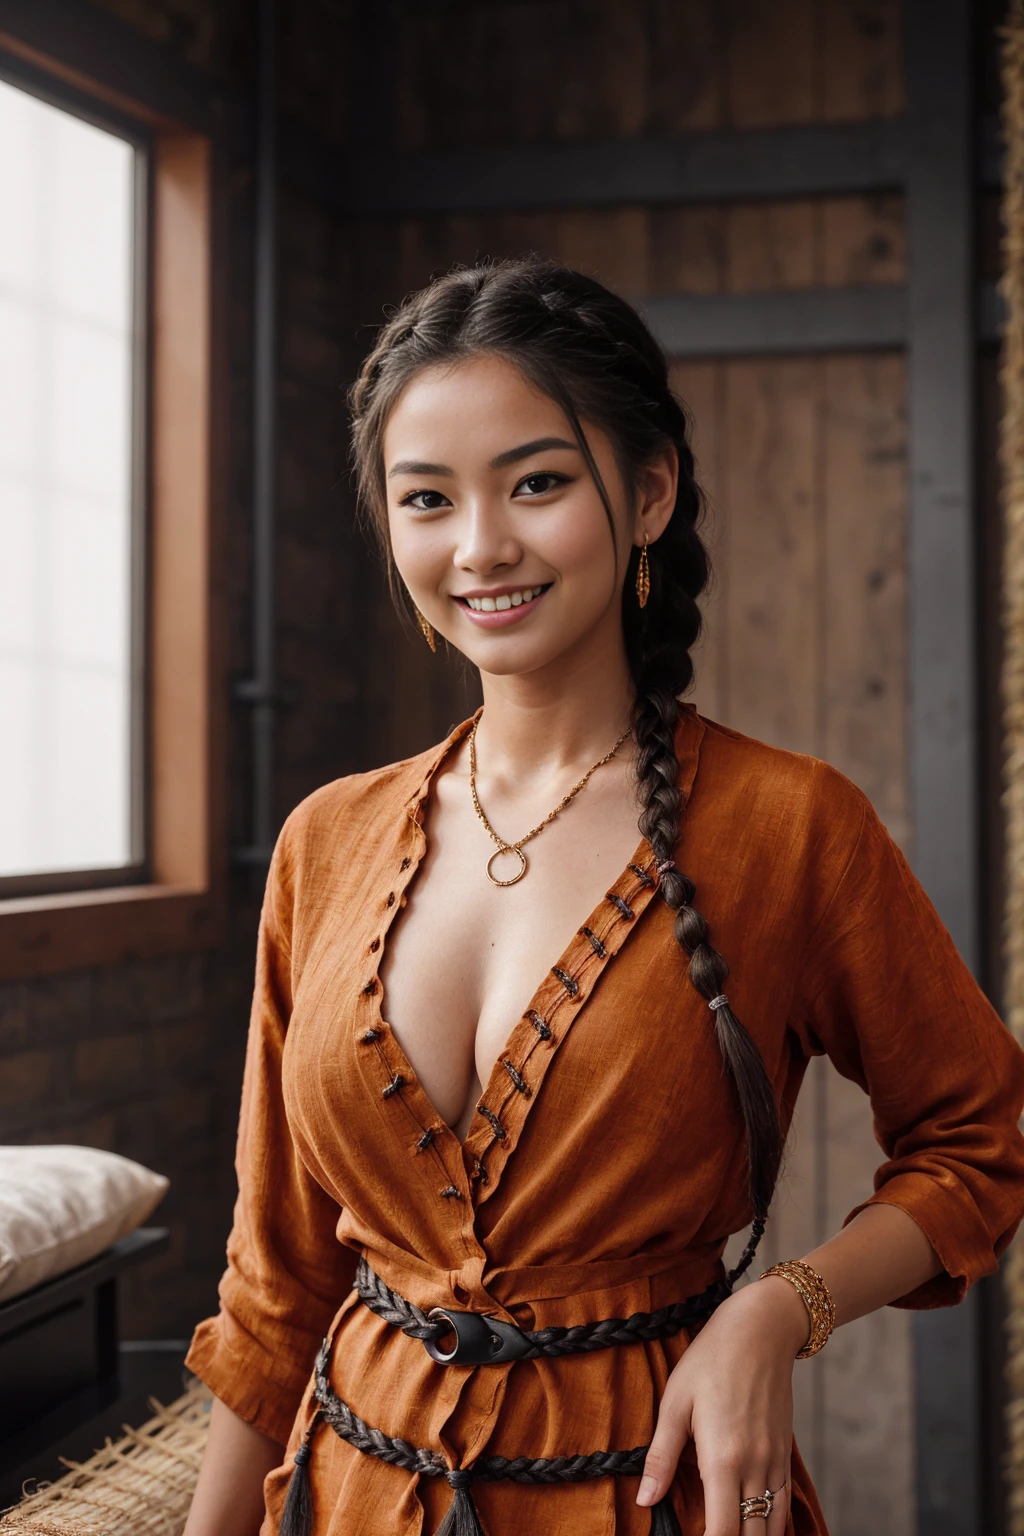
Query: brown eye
[424,501]
[540,484]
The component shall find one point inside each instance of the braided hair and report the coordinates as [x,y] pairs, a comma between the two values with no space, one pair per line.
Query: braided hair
[592,354]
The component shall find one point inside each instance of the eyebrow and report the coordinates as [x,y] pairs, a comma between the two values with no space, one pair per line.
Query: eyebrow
[418,467]
[527,450]
[510,456]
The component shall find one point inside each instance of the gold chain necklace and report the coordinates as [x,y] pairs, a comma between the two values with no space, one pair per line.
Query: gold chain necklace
[517,847]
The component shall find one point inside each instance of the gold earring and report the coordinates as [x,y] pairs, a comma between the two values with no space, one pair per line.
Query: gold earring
[643,577]
[426,628]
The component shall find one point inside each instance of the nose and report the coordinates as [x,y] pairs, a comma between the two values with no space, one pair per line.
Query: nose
[486,541]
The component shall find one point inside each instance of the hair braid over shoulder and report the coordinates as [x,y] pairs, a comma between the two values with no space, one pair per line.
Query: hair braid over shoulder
[591,353]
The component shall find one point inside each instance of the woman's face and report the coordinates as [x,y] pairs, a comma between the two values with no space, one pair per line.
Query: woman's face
[497,527]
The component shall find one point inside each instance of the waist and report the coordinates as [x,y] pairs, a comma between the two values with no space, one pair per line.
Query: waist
[549,1295]
[455,1336]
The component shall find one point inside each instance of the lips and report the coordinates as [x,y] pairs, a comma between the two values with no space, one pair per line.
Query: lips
[495,611]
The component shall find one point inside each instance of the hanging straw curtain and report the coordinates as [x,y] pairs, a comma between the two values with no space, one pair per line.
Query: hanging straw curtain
[1013,676]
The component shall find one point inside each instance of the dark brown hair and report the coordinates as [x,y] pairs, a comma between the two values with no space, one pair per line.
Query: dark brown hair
[593,355]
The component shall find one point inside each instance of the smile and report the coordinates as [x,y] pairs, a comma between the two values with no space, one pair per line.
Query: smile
[504,607]
[505,600]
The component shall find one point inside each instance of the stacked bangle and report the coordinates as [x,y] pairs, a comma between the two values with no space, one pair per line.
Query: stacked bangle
[816,1297]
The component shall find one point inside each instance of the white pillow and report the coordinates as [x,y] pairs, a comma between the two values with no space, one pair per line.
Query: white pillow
[60,1206]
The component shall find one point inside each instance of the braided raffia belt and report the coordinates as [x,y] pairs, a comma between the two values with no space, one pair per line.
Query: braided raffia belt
[484,1340]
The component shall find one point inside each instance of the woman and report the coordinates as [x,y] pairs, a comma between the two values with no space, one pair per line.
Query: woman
[459,1098]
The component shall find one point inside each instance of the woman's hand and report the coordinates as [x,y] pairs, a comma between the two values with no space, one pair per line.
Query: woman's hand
[732,1392]
[732,1395]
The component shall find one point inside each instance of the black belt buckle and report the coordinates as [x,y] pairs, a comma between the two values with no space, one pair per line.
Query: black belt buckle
[479,1340]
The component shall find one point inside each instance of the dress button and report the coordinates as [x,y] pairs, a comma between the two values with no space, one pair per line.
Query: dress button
[391,899]
[375,946]
[405,862]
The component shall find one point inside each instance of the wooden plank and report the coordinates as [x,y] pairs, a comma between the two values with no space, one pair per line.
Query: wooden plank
[576,69]
[869,317]
[611,245]
[862,240]
[625,66]
[791,160]
[687,64]
[860,72]
[770,549]
[864,580]
[688,247]
[771,63]
[459,78]
[770,246]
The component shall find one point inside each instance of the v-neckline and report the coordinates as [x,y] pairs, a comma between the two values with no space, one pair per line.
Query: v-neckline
[499,1078]
[535,1037]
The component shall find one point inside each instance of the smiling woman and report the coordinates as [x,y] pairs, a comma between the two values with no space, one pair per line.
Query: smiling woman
[471,1119]
[531,512]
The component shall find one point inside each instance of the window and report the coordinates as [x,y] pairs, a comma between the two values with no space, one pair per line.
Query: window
[72,314]
[113,463]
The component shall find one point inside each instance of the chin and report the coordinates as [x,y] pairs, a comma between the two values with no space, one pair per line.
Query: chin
[510,660]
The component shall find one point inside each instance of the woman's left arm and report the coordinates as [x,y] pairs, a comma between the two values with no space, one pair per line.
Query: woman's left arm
[882,990]
[732,1392]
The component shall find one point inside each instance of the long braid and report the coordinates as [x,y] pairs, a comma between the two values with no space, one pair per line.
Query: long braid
[659,641]
[655,717]
[590,352]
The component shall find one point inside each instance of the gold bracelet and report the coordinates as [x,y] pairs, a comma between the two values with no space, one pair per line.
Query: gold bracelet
[816,1297]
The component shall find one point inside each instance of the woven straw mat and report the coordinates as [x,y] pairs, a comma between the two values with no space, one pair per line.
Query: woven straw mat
[141,1485]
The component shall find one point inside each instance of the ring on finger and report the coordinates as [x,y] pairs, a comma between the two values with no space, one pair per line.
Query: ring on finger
[760,1505]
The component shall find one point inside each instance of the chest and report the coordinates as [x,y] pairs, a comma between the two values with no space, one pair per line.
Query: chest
[464,956]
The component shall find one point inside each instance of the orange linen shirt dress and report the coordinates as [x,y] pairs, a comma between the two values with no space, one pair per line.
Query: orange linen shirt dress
[618,1173]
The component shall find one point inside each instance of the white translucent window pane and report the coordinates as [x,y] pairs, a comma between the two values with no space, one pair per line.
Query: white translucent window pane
[66,345]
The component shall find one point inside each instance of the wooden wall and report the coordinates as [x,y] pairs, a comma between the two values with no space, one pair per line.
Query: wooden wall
[805,647]
[803,458]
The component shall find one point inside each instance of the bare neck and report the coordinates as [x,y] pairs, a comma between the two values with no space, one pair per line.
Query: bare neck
[566,716]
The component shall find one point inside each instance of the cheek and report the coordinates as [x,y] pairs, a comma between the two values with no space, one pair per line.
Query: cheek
[421,554]
[578,543]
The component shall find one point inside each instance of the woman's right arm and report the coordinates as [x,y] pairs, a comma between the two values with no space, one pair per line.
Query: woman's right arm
[287,1274]
[228,1500]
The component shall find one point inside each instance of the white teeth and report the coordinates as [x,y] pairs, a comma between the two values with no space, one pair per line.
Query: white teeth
[507,600]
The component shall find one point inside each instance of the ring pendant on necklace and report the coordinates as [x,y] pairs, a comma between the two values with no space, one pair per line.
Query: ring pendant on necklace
[517,847]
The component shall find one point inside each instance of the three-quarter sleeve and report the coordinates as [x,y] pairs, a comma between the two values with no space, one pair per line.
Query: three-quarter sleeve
[887,996]
[286,1274]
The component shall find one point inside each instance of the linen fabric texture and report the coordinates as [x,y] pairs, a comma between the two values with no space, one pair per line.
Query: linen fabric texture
[611,1185]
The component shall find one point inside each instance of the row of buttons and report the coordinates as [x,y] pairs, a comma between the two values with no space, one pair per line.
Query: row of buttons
[543,1028]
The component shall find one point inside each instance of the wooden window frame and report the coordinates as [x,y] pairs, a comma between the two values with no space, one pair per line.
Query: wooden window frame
[182,905]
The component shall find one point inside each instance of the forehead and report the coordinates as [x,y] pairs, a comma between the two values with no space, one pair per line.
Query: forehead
[475,407]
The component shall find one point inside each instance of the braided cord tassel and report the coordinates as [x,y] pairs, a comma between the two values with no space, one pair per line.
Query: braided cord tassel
[297,1515]
[462,1518]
